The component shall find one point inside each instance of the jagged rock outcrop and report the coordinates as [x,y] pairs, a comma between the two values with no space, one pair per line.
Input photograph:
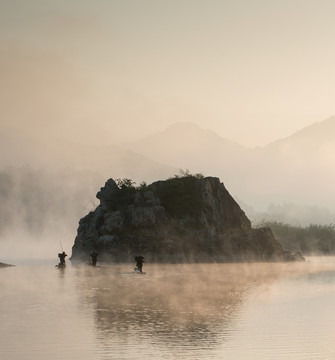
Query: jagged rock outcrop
[185,219]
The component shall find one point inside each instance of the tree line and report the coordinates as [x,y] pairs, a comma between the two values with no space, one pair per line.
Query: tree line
[310,240]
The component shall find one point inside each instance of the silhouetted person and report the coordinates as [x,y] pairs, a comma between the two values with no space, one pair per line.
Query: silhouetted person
[94,258]
[62,257]
[139,262]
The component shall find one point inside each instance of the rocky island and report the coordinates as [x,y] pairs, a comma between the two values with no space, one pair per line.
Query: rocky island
[189,218]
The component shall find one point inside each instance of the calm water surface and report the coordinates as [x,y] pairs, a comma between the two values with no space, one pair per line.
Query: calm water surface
[215,311]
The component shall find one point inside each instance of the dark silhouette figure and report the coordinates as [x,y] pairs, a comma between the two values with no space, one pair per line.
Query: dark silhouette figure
[94,258]
[62,257]
[139,262]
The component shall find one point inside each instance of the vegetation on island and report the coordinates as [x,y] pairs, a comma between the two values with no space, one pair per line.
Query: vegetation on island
[179,194]
[125,196]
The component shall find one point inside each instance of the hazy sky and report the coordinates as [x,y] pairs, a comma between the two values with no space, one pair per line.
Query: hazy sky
[115,70]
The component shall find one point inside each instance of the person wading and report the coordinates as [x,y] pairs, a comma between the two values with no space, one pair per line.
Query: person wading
[62,257]
[139,262]
[94,257]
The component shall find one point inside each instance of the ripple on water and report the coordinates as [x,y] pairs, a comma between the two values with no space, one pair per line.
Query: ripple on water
[212,311]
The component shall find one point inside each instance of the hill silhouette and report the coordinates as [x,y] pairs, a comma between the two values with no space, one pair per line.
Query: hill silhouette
[298,168]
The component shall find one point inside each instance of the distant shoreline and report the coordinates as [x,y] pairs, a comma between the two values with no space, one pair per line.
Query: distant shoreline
[2,265]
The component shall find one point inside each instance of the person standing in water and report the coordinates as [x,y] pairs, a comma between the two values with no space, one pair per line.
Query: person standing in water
[62,257]
[94,257]
[139,262]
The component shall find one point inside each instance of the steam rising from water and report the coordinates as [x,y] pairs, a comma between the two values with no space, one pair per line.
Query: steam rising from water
[174,311]
[183,298]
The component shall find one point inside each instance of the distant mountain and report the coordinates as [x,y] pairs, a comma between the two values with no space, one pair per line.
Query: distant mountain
[297,169]
[313,135]
[301,166]
[186,145]
[20,149]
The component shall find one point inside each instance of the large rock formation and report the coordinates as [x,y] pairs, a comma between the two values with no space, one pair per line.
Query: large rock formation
[181,219]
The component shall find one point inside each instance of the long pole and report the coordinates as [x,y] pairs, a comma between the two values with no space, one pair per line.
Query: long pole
[61,246]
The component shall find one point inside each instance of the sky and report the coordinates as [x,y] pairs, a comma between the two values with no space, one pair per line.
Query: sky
[111,71]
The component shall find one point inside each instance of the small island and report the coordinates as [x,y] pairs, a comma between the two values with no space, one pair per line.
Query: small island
[3,265]
[188,218]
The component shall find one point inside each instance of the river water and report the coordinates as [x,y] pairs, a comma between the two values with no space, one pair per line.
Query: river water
[209,311]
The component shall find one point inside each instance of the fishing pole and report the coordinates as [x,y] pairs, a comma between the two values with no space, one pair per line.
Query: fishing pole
[61,245]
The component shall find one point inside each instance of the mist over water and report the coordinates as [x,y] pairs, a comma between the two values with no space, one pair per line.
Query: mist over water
[206,311]
[137,90]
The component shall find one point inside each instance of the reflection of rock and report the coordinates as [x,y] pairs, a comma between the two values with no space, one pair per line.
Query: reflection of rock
[185,219]
[178,304]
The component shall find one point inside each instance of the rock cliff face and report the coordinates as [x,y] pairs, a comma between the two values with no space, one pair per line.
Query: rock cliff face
[185,219]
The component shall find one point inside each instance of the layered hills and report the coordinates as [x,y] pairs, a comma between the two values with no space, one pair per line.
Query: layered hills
[297,169]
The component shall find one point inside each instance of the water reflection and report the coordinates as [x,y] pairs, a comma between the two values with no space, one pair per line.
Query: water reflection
[174,306]
[241,311]
[293,318]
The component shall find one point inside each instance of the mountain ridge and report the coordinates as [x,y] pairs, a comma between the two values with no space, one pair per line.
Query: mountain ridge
[297,168]
[321,130]
[281,172]
[176,140]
